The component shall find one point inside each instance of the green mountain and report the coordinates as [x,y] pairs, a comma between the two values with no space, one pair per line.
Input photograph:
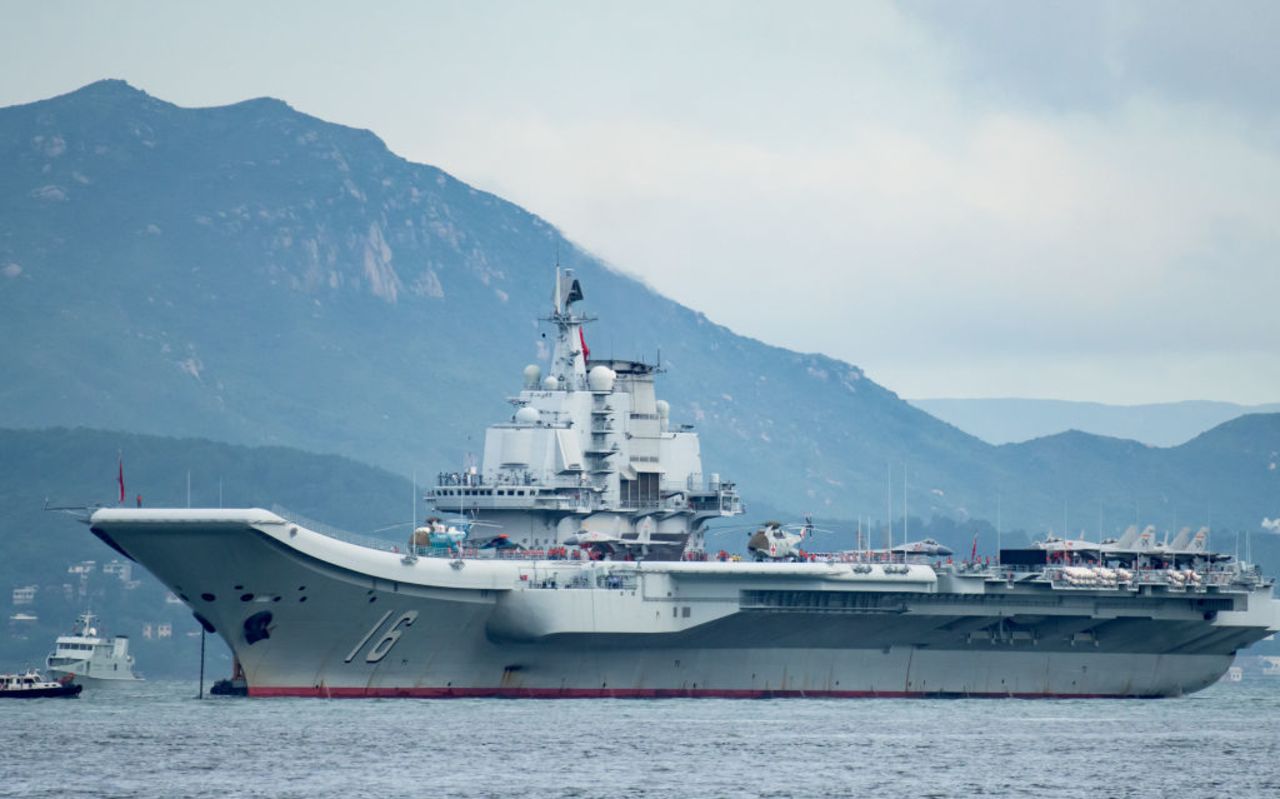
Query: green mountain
[255,275]
[1228,476]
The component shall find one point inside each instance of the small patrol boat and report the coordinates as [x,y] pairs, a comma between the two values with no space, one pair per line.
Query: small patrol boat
[32,685]
[90,656]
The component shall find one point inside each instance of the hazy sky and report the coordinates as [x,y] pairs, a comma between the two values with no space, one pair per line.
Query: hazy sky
[1076,200]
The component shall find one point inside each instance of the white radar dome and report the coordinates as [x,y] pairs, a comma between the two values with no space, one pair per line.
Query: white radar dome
[664,409]
[532,375]
[527,415]
[601,378]
[551,384]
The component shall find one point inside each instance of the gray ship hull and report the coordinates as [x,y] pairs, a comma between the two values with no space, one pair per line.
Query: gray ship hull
[307,615]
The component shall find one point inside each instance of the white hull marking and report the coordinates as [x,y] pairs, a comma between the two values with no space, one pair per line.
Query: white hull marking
[356,649]
[381,648]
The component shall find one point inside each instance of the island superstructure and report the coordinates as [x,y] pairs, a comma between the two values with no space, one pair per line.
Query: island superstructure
[587,579]
[589,449]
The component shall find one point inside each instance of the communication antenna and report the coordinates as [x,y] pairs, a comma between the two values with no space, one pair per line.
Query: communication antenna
[904,503]
[888,493]
[1209,512]
[999,508]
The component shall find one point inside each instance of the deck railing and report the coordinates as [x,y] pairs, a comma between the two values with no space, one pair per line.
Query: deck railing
[359,539]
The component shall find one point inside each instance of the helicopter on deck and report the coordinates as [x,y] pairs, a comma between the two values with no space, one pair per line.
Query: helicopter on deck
[774,541]
[438,534]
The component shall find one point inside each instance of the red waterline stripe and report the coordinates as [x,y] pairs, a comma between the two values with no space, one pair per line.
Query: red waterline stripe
[644,693]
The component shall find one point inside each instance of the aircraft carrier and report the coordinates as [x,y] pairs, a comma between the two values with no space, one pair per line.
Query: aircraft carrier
[577,568]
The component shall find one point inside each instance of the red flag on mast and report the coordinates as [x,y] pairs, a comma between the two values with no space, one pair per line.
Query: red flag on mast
[582,339]
[120,475]
[973,553]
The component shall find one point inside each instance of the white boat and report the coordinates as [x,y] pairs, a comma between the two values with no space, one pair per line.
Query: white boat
[90,656]
[32,685]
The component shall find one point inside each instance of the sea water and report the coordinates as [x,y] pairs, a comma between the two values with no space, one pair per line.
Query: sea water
[158,740]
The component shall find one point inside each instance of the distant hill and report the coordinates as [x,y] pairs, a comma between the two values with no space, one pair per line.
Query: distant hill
[1228,477]
[1006,420]
[255,275]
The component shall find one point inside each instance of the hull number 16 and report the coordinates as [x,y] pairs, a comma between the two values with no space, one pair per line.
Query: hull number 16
[388,639]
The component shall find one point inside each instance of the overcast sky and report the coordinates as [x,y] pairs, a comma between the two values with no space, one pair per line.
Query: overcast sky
[1075,200]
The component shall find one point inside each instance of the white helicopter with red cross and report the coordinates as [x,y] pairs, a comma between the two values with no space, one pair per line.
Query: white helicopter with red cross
[777,541]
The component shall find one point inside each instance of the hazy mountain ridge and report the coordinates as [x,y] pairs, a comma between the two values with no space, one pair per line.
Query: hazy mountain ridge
[1006,420]
[251,274]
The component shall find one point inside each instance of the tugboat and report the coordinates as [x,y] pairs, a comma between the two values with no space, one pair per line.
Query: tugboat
[31,685]
[235,685]
[89,656]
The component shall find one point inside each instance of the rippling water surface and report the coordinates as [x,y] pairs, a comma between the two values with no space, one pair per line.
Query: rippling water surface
[157,740]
